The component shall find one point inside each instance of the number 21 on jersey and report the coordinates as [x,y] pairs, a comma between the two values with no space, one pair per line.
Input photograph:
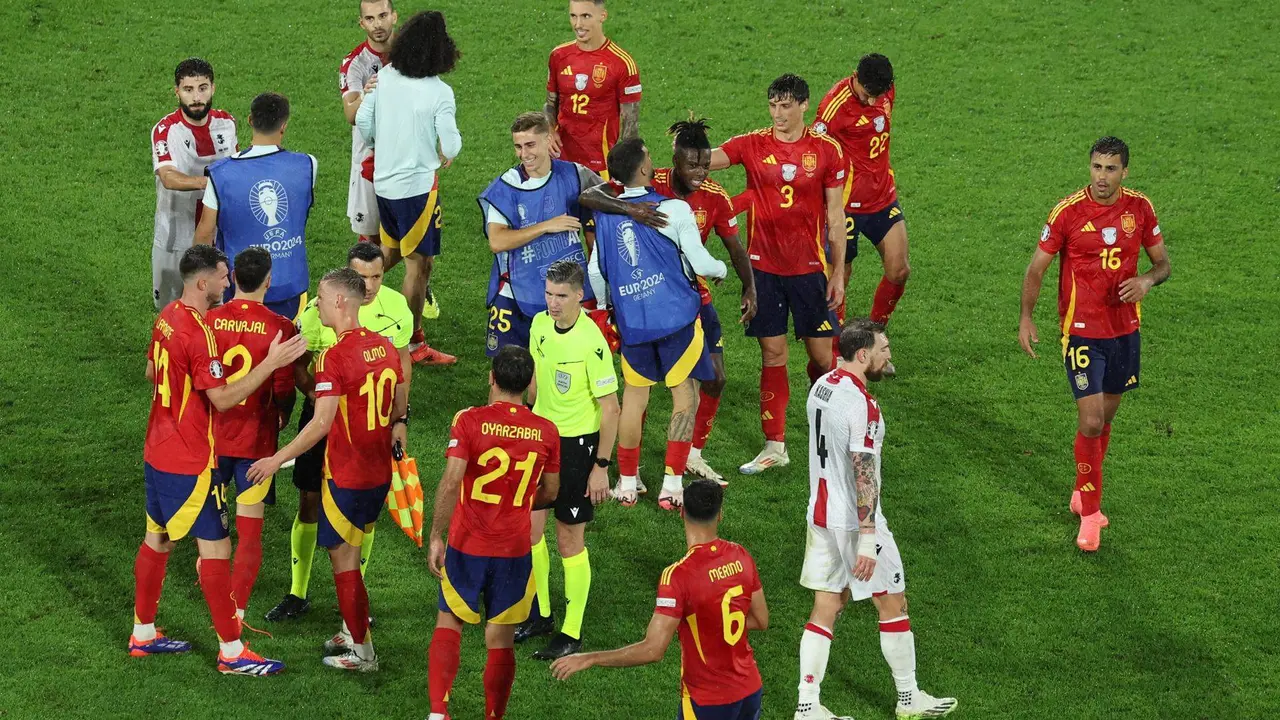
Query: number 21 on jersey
[525,467]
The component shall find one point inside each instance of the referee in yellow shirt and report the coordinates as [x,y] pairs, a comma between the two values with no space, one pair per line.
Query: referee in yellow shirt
[576,389]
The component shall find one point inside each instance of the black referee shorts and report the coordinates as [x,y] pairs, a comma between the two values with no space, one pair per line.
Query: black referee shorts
[577,460]
[308,469]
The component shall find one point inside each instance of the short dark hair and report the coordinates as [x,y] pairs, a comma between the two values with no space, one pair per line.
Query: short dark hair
[390,4]
[625,159]
[531,120]
[192,67]
[513,369]
[875,72]
[566,272]
[346,280]
[789,86]
[691,134]
[703,500]
[365,252]
[200,258]
[1111,146]
[268,112]
[423,48]
[252,266]
[858,334]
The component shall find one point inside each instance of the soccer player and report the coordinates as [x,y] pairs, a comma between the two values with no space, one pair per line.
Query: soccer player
[357,75]
[713,597]
[183,144]
[182,498]
[360,393]
[857,112]
[649,278]
[577,391]
[262,197]
[385,312]
[850,554]
[795,179]
[410,118]
[502,461]
[245,432]
[593,91]
[1098,231]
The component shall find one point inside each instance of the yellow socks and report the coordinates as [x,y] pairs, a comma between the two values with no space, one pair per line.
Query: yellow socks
[302,545]
[577,585]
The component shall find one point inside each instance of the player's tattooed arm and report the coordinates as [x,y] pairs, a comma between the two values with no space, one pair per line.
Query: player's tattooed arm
[551,108]
[603,198]
[863,467]
[630,125]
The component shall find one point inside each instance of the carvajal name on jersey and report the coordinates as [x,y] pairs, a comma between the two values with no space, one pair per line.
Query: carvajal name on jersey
[257,327]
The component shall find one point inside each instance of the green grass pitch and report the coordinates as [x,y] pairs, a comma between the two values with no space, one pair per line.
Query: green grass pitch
[999,101]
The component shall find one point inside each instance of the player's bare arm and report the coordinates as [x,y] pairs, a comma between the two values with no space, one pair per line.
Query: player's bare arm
[598,482]
[604,198]
[742,268]
[551,108]
[314,432]
[1137,287]
[863,468]
[207,226]
[351,105]
[174,179]
[720,160]
[280,354]
[303,378]
[503,238]
[151,371]
[836,244]
[400,411]
[1031,282]
[758,616]
[649,650]
[548,490]
[630,120]
[446,491]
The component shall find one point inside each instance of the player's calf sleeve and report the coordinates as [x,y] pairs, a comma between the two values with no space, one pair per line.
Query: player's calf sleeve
[775,393]
[704,420]
[366,550]
[815,648]
[577,585]
[499,676]
[1088,452]
[886,299]
[302,547]
[353,603]
[898,644]
[148,579]
[542,576]
[629,461]
[248,559]
[1105,437]
[442,667]
[215,582]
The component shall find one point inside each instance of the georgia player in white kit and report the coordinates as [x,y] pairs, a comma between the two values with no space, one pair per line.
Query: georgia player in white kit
[183,144]
[850,554]
[358,75]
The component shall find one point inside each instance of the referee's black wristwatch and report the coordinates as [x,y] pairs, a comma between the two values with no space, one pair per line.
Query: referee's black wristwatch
[605,463]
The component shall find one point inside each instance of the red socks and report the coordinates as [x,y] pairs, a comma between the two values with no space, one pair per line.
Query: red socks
[148,574]
[442,667]
[705,419]
[248,559]
[677,456]
[499,676]
[353,602]
[775,392]
[1089,473]
[886,299]
[418,336]
[902,624]
[628,460]
[1105,437]
[215,581]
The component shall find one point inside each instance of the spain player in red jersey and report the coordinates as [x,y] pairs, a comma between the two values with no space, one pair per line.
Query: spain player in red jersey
[593,91]
[795,179]
[249,430]
[857,112]
[712,597]
[361,399]
[182,499]
[1098,232]
[503,461]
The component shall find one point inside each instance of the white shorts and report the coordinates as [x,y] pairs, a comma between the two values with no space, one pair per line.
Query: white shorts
[362,205]
[166,281]
[829,557]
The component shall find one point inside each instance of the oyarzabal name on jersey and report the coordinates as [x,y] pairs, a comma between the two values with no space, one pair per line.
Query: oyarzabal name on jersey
[517,432]
[647,286]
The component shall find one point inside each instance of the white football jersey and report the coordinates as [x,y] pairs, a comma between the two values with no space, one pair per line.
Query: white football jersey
[190,149]
[357,67]
[843,419]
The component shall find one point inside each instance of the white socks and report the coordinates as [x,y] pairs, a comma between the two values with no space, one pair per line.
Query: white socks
[627,483]
[694,453]
[231,649]
[898,644]
[815,648]
[144,632]
[673,483]
[775,446]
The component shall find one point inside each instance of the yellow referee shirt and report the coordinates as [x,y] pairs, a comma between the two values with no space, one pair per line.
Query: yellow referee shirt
[573,368]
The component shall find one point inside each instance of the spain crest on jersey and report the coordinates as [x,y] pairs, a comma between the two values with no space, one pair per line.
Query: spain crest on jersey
[701,217]
[810,161]
[1128,223]
[599,73]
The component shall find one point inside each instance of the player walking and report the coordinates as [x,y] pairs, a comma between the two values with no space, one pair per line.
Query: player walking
[182,498]
[713,597]
[850,554]
[503,460]
[183,144]
[593,91]
[247,431]
[358,72]
[1099,232]
[648,277]
[361,375]
[795,178]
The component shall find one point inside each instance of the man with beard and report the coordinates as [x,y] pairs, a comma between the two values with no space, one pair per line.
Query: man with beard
[358,75]
[183,144]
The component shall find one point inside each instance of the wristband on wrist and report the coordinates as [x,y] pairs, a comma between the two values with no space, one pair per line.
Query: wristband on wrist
[867,545]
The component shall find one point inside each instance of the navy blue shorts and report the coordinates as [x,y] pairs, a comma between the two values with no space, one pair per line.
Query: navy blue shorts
[1109,366]
[502,587]
[711,328]
[507,325]
[670,360]
[803,297]
[748,708]
[347,514]
[289,308]
[873,226]
[231,470]
[181,505]
[411,225]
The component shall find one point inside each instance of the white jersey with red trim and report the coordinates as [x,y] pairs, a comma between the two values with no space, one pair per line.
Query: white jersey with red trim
[357,67]
[843,419]
[190,149]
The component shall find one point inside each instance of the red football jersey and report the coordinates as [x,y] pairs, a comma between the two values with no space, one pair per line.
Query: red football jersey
[244,330]
[710,591]
[863,133]
[592,87]
[506,448]
[362,370]
[712,209]
[787,183]
[180,428]
[1098,247]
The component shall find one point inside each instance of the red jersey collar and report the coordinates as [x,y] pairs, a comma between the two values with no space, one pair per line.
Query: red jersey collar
[366,46]
[839,373]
